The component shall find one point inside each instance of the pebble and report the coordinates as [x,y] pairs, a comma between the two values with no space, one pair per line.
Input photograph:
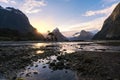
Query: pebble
[35,72]
[44,66]
[36,65]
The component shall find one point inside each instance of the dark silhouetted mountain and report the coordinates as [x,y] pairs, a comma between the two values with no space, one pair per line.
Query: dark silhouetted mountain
[14,24]
[83,35]
[94,31]
[111,27]
[56,35]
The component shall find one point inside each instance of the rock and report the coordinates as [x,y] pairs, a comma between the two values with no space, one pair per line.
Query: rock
[64,50]
[35,72]
[59,57]
[66,71]
[52,64]
[28,74]
[36,65]
[60,64]
[44,66]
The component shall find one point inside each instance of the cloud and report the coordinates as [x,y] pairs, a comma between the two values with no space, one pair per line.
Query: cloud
[105,11]
[32,6]
[13,2]
[27,6]
[4,1]
[93,25]
[8,1]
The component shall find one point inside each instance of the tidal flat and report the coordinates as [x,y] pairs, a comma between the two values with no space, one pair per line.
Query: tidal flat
[26,60]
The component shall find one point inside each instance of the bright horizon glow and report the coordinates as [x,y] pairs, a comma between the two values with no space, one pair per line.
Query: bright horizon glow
[70,16]
[41,27]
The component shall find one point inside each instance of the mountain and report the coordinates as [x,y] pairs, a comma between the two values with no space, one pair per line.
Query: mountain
[94,31]
[111,27]
[56,35]
[14,24]
[83,35]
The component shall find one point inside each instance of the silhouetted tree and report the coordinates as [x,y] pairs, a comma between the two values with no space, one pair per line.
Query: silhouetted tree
[52,36]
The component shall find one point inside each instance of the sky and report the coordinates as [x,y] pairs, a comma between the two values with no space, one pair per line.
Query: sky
[70,16]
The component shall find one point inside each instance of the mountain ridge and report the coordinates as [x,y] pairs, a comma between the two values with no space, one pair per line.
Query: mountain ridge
[111,27]
[83,35]
[15,21]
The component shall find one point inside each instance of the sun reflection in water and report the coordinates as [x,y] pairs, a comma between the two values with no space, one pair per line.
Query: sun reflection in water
[38,45]
[39,52]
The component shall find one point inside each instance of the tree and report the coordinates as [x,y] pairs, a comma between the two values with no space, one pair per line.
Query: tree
[51,36]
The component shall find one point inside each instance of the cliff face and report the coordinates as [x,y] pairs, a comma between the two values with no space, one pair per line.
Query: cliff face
[16,24]
[111,26]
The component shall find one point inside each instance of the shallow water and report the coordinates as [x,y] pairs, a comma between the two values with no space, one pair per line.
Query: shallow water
[40,68]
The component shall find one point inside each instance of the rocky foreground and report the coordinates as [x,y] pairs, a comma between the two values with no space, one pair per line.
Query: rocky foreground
[94,65]
[87,65]
[15,58]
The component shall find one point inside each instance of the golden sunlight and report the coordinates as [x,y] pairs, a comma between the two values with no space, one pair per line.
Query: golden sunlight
[42,27]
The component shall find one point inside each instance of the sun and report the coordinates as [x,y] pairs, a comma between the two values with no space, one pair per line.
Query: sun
[42,27]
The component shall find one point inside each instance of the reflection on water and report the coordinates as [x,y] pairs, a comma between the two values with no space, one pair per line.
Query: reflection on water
[41,70]
[39,52]
[42,61]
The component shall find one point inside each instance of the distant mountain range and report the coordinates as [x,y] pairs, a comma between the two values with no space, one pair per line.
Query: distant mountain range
[14,25]
[56,35]
[111,27]
[82,36]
